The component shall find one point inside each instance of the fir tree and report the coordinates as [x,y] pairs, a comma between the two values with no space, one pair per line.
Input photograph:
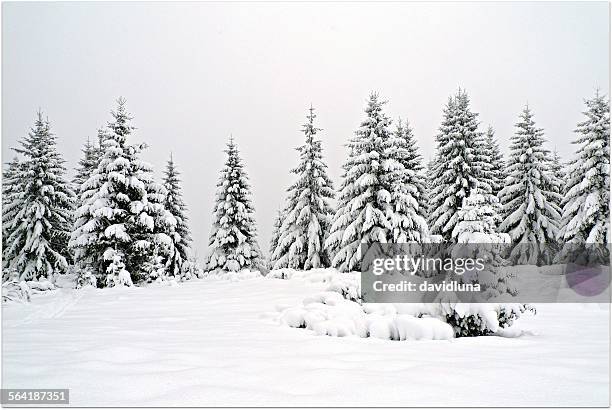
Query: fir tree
[586,208]
[37,214]
[122,217]
[461,165]
[180,235]
[10,186]
[364,203]
[233,239]
[478,220]
[87,164]
[278,222]
[498,167]
[557,179]
[529,207]
[409,188]
[307,214]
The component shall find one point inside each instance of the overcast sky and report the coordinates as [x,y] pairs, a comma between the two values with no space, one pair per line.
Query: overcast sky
[193,73]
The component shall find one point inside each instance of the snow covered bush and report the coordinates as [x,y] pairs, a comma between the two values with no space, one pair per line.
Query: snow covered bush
[15,291]
[116,273]
[232,276]
[338,311]
[191,269]
[481,319]
[328,313]
[85,278]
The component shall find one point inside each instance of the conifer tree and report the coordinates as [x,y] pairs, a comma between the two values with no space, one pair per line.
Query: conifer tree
[37,212]
[408,195]
[364,203]
[307,215]
[478,221]
[233,239]
[278,222]
[498,167]
[557,179]
[461,165]
[531,215]
[10,185]
[586,208]
[122,218]
[173,203]
[87,164]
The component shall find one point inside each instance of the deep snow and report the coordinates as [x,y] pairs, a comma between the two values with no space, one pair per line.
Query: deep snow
[219,343]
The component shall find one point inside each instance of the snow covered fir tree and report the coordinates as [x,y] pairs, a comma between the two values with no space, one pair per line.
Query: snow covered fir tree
[497,164]
[180,233]
[531,214]
[461,165]
[364,202]
[121,220]
[37,209]
[307,214]
[233,238]
[586,211]
[409,187]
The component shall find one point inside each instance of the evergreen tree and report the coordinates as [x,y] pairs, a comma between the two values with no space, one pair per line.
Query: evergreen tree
[180,235]
[530,212]
[461,165]
[364,203]
[37,212]
[409,188]
[233,239]
[586,208]
[87,164]
[307,214]
[557,179]
[278,222]
[478,220]
[122,217]
[10,185]
[498,167]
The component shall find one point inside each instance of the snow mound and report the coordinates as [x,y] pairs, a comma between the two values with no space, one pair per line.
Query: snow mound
[346,284]
[244,274]
[330,314]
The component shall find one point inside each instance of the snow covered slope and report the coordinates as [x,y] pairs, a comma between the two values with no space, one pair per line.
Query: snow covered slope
[215,343]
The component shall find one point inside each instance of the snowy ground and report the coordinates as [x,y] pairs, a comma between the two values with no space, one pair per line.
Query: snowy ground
[214,343]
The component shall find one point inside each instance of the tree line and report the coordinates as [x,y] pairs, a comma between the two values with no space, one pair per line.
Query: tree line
[118,226]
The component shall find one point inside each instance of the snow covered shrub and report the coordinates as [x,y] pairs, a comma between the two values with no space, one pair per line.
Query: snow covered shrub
[231,276]
[154,269]
[15,290]
[347,285]
[191,269]
[116,273]
[284,273]
[85,277]
[481,319]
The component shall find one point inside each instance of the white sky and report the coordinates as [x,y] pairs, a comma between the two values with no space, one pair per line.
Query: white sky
[193,73]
